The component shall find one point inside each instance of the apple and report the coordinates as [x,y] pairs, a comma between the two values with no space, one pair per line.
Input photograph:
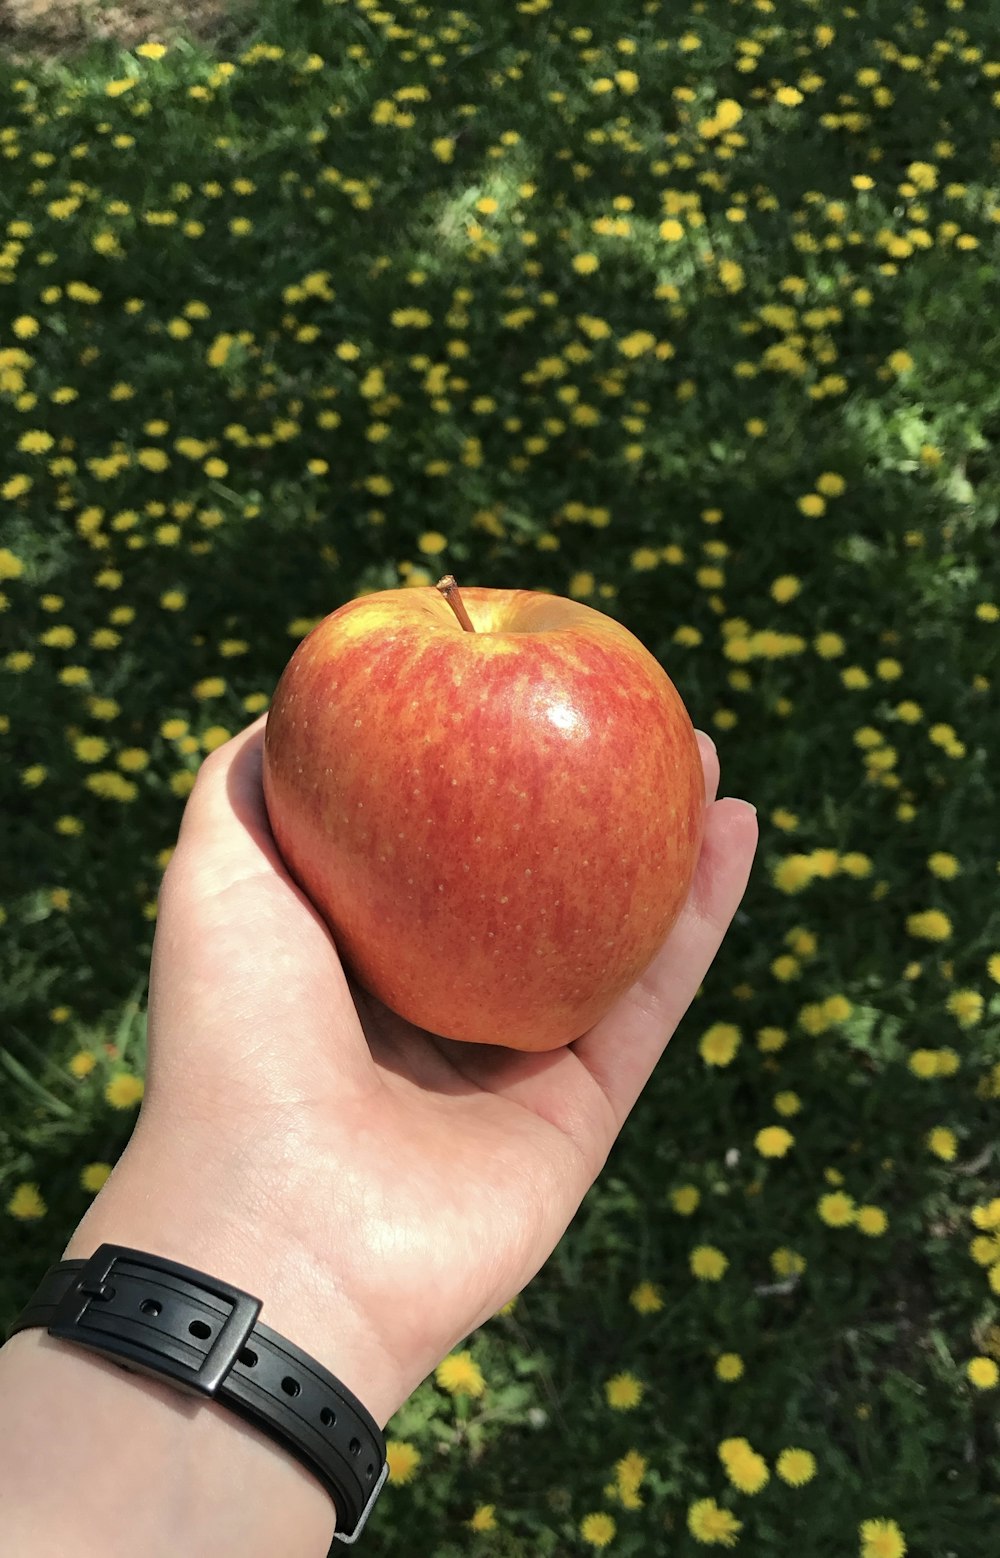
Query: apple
[493,798]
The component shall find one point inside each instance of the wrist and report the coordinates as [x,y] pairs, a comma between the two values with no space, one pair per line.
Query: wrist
[177,1205]
[94,1460]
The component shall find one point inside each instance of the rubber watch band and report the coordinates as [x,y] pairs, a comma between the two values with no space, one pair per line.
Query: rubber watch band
[156,1317]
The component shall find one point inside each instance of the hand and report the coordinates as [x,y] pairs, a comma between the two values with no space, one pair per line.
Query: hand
[383,1190]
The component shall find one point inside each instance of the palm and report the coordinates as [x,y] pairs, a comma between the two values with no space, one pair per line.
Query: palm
[449,1170]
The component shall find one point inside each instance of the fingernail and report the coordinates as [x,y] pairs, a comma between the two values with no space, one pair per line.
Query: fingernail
[748,804]
[707,738]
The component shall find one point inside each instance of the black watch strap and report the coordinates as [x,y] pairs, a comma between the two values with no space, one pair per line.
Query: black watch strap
[156,1317]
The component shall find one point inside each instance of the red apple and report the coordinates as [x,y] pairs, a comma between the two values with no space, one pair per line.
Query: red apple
[496,807]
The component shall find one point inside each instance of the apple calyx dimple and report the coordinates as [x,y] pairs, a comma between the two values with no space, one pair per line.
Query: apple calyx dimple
[449,589]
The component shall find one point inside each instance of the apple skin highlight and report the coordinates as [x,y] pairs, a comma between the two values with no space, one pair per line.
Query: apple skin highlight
[499,826]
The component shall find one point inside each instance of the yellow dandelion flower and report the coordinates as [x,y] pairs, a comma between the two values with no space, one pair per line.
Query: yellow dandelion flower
[983,1373]
[711,1525]
[646,1298]
[773,1141]
[966,1006]
[460,1374]
[719,1044]
[403,1459]
[623,1392]
[786,588]
[836,1209]
[26,1203]
[11,567]
[881,1539]
[793,873]
[796,1467]
[929,924]
[745,1468]
[707,1263]
[598,1529]
[787,1263]
[124,1090]
[943,1143]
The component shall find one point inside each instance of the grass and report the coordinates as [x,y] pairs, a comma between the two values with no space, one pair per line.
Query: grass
[688,315]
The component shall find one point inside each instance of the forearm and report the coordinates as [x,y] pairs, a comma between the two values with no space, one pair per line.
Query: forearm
[99,1463]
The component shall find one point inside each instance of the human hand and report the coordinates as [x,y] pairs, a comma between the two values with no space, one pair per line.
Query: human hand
[383,1190]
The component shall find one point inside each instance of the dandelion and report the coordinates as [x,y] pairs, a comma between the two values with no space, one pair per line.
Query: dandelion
[786,588]
[707,1263]
[836,1209]
[26,1203]
[623,1392]
[796,1467]
[459,1374]
[646,1298]
[719,1044]
[745,1468]
[773,1141]
[787,1263]
[872,1221]
[943,1143]
[403,1459]
[881,1539]
[966,1006]
[983,1373]
[124,1090]
[929,925]
[629,1472]
[598,1529]
[712,1525]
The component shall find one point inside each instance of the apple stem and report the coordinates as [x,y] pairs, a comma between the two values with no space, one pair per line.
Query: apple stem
[449,589]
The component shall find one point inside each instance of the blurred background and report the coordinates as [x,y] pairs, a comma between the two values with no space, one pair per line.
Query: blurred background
[690,313]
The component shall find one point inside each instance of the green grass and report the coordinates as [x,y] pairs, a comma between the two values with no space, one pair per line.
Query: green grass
[246,432]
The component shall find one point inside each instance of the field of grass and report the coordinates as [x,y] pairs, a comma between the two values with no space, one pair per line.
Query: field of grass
[691,313]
